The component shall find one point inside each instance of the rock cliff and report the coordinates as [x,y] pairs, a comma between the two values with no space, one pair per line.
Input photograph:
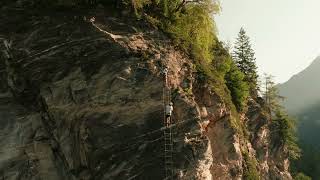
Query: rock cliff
[83,100]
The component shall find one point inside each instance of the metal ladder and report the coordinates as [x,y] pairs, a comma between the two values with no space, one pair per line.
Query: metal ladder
[168,144]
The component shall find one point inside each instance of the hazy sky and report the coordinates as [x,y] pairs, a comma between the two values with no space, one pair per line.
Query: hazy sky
[284,33]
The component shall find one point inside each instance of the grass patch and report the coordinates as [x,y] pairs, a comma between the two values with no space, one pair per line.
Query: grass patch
[250,168]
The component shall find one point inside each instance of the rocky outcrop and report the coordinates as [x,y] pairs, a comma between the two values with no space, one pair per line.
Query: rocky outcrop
[83,100]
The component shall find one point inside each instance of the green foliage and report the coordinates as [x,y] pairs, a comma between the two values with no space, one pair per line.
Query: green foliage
[250,168]
[237,86]
[309,161]
[301,176]
[308,128]
[243,55]
[138,6]
[188,91]
[283,127]
[193,30]
[222,59]
[230,73]
[190,25]
[284,133]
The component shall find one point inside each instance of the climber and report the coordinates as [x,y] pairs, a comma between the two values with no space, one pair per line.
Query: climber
[169,109]
[165,74]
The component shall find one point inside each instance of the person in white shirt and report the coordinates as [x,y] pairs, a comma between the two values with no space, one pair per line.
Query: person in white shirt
[169,109]
[165,74]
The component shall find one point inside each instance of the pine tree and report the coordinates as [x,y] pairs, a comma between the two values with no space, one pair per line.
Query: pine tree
[283,127]
[271,94]
[244,58]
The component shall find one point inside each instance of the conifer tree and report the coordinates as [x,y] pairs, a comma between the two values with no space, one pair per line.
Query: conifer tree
[271,94]
[283,127]
[243,56]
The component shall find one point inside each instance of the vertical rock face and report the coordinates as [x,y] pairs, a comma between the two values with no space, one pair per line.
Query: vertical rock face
[82,100]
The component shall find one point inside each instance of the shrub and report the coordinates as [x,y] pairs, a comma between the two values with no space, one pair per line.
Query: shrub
[190,25]
[193,31]
[301,176]
[250,170]
[238,87]
[222,59]
[284,133]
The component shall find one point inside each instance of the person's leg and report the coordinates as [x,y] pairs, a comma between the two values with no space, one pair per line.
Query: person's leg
[167,120]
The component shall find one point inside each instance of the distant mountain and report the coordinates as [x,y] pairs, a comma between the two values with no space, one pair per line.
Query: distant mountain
[302,100]
[302,94]
[303,89]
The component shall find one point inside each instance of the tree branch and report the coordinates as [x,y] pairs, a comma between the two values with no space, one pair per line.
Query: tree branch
[185,2]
